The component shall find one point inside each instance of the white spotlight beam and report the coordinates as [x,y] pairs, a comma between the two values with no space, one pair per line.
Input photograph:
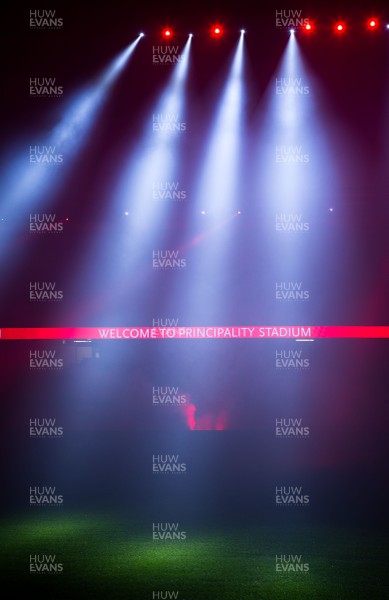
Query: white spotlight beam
[218,180]
[216,198]
[159,158]
[24,183]
[155,159]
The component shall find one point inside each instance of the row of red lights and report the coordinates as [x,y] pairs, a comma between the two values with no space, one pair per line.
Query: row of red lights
[309,26]
[341,26]
[216,31]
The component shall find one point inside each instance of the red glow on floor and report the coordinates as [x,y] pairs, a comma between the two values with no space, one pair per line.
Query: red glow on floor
[206,422]
[221,421]
[191,417]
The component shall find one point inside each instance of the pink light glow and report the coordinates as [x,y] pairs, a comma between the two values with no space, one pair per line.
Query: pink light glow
[206,422]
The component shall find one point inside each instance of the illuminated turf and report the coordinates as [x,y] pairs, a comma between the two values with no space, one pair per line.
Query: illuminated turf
[103,556]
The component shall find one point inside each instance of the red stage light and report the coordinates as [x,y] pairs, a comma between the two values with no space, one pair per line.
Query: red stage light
[339,27]
[167,32]
[216,31]
[373,23]
[308,26]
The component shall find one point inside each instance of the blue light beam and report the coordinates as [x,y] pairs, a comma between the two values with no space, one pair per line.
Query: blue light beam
[157,161]
[155,158]
[24,182]
[217,189]
[216,197]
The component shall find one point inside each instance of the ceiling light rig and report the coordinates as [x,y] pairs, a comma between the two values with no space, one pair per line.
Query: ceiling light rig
[372,23]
